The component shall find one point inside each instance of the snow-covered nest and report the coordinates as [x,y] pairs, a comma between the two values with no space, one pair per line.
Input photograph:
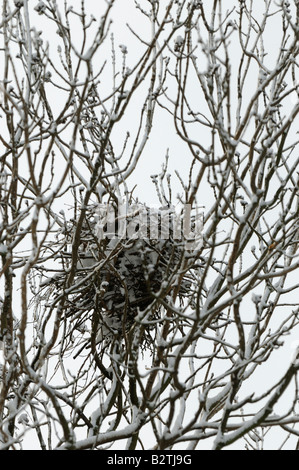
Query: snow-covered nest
[130,265]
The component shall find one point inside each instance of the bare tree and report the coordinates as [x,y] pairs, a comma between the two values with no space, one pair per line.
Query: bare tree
[128,327]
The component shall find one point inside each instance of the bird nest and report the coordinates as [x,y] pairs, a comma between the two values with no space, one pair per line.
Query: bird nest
[130,265]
